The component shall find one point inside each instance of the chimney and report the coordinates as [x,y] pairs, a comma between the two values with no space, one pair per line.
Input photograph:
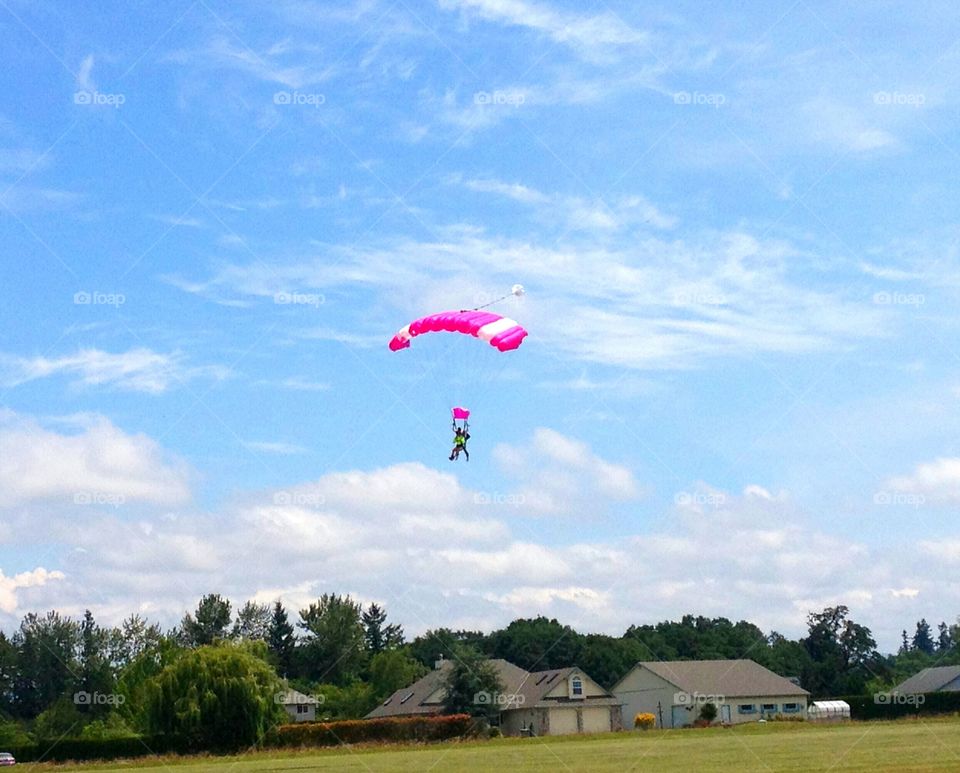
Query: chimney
[438,663]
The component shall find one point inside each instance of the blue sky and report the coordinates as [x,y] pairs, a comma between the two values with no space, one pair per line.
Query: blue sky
[737,232]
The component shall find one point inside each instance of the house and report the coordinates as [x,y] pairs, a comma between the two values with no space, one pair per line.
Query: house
[554,702]
[675,691]
[300,707]
[937,679]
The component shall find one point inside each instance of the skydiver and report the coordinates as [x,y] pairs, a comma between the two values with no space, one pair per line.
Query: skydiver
[460,438]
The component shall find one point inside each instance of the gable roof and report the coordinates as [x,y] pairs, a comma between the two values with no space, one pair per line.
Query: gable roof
[730,678]
[413,699]
[929,680]
[530,688]
[295,697]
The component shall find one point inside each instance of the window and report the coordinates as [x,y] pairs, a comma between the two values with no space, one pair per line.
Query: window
[302,709]
[747,708]
[406,697]
[791,708]
[576,687]
[769,708]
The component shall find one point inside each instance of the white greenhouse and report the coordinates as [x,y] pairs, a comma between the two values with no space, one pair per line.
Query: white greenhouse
[828,711]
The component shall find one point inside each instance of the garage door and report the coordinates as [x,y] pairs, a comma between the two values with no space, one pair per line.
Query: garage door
[563,721]
[596,719]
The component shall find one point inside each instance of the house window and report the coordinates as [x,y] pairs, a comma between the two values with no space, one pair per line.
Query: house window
[747,708]
[769,708]
[301,709]
[576,687]
[791,708]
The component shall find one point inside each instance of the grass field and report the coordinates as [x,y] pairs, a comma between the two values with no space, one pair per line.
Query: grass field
[916,746]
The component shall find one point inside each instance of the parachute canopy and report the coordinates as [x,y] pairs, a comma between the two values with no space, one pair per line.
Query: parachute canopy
[500,332]
[460,413]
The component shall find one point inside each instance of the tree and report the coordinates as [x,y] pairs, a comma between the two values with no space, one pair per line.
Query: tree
[922,639]
[46,662]
[333,648]
[209,625]
[442,642]
[133,637]
[8,677]
[253,622]
[472,685]
[280,639]
[843,654]
[904,642]
[378,635]
[215,698]
[392,669]
[536,644]
[96,676]
[708,712]
[944,640]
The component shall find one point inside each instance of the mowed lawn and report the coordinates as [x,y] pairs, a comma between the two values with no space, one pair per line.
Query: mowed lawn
[917,746]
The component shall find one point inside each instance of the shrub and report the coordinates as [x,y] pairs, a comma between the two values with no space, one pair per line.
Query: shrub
[644,721]
[426,728]
[708,712]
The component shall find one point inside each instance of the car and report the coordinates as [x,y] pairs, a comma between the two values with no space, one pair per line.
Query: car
[6,758]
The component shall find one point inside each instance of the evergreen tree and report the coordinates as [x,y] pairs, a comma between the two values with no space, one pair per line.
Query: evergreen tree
[905,643]
[922,639]
[378,635]
[253,622]
[209,625]
[280,639]
[944,640]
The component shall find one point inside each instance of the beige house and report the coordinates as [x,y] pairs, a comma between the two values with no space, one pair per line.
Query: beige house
[674,692]
[555,702]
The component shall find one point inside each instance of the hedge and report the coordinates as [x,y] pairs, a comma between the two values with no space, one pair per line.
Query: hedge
[68,749]
[425,728]
[892,706]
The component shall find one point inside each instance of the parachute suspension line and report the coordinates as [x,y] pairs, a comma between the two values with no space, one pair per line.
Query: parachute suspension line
[515,290]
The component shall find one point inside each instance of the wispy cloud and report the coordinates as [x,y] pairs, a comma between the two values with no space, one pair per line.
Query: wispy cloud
[137,370]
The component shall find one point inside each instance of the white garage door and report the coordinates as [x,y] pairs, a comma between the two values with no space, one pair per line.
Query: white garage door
[596,720]
[563,721]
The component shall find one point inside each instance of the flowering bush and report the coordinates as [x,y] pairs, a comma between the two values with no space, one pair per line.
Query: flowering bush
[644,721]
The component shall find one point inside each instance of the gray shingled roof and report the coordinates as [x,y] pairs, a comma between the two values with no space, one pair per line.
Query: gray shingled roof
[411,700]
[534,688]
[730,678]
[928,680]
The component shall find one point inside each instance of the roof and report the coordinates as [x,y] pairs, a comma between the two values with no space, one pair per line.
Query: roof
[729,678]
[530,688]
[412,699]
[294,697]
[928,680]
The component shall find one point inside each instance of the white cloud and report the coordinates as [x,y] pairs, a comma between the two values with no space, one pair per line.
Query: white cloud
[85,74]
[9,586]
[137,370]
[98,462]
[274,447]
[937,481]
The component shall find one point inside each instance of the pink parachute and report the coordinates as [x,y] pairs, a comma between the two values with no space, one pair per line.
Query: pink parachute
[500,332]
[460,413]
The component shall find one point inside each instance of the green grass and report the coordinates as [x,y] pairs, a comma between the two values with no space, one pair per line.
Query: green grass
[914,746]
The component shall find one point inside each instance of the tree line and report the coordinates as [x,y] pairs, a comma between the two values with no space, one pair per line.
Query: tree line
[60,676]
